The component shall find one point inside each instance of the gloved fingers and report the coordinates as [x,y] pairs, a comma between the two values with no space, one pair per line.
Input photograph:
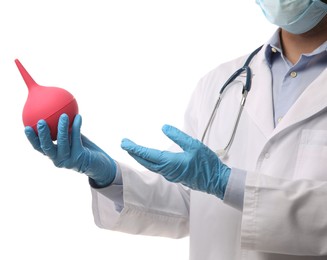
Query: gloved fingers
[147,164]
[33,138]
[47,146]
[76,134]
[89,144]
[63,145]
[185,141]
[147,154]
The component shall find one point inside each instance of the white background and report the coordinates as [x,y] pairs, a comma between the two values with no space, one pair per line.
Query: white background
[132,66]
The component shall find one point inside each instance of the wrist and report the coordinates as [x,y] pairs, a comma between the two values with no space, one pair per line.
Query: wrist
[99,184]
[222,180]
[104,174]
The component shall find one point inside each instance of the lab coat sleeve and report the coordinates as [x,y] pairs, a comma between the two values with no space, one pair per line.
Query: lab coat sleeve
[152,206]
[295,223]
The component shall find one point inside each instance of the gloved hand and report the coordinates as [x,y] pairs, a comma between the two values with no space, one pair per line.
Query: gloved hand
[73,151]
[197,167]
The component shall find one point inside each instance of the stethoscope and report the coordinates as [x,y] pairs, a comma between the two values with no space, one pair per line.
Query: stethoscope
[245,90]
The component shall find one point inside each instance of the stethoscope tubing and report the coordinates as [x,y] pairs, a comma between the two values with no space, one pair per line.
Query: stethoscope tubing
[245,90]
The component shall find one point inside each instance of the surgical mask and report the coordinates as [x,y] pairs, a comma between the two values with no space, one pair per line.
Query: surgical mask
[294,16]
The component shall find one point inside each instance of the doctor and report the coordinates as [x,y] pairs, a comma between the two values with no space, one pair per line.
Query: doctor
[265,198]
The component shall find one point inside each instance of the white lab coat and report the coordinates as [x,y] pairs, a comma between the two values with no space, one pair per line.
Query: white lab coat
[285,204]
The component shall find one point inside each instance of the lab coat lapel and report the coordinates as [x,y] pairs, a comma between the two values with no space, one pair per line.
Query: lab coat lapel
[312,100]
[259,104]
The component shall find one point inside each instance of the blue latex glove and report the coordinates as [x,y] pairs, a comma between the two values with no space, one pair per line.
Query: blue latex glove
[197,167]
[73,151]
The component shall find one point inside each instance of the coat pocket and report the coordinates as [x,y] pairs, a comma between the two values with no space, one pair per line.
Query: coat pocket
[312,156]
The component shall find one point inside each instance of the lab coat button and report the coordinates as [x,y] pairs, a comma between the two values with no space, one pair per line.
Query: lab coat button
[267,155]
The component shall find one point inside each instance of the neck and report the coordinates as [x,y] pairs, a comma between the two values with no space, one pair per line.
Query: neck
[294,45]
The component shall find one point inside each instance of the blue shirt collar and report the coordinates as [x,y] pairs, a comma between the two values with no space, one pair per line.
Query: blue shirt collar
[274,46]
